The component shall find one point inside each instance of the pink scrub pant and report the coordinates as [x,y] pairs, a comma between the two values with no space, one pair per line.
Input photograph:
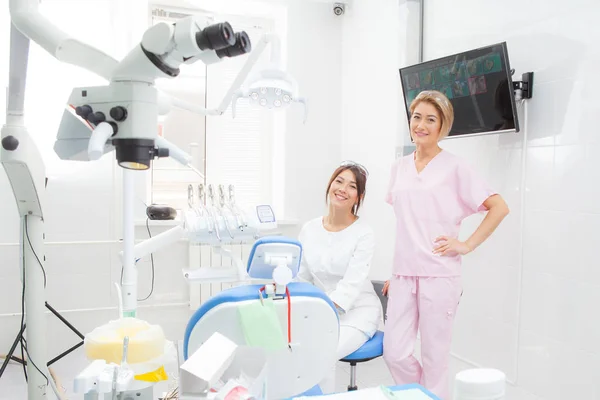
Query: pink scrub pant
[426,304]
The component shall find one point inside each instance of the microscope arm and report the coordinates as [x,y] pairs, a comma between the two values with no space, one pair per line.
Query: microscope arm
[19,155]
[166,102]
[27,18]
[25,170]
[157,242]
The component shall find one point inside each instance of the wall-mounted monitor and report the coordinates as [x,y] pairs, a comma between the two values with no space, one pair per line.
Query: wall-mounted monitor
[478,84]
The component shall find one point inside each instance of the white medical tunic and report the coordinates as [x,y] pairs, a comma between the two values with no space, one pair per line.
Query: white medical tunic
[339,263]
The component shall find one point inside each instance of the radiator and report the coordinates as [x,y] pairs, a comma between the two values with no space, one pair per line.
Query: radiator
[202,256]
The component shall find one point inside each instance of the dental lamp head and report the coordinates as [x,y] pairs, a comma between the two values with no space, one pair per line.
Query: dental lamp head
[270,88]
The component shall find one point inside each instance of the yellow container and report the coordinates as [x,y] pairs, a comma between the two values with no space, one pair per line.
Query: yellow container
[146,342]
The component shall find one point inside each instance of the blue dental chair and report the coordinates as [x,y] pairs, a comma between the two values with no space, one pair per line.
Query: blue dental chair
[314,320]
[373,348]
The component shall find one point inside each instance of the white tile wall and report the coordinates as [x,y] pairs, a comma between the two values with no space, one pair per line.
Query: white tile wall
[548,342]
[373,44]
[530,290]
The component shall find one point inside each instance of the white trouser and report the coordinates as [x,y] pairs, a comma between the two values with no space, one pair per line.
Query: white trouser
[351,339]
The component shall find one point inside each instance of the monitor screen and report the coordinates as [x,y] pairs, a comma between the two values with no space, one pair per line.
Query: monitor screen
[478,84]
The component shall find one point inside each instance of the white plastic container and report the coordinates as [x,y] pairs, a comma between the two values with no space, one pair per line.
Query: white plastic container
[221,365]
[480,384]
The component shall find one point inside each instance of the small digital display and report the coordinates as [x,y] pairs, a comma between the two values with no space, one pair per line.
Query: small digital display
[265,214]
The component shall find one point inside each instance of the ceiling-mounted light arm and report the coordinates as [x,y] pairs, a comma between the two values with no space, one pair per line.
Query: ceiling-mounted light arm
[275,49]
[303,101]
[270,87]
[166,102]
[247,68]
[25,16]
[237,82]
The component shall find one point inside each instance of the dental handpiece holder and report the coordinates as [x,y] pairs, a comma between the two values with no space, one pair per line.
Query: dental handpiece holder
[220,228]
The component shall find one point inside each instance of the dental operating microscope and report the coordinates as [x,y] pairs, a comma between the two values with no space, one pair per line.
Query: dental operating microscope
[121,116]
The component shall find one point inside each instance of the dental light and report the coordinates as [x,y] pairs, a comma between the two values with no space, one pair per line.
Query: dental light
[272,87]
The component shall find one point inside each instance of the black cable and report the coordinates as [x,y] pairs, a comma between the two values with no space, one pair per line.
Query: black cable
[23,316]
[152,259]
[36,367]
[33,250]
[23,341]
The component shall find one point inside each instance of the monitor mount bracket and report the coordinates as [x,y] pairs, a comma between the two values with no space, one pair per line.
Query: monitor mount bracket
[525,85]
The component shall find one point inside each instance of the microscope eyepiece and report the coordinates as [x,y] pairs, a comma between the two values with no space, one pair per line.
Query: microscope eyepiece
[216,37]
[242,46]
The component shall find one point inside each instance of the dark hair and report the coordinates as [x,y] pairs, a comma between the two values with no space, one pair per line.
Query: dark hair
[361,183]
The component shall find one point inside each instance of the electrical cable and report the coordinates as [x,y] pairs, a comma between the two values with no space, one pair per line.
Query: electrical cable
[152,259]
[153,270]
[33,250]
[54,382]
[50,382]
[23,317]
[23,341]
[36,367]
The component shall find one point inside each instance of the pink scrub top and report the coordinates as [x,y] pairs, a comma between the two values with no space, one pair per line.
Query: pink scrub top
[429,204]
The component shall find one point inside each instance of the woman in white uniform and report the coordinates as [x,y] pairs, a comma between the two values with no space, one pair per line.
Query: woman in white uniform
[336,257]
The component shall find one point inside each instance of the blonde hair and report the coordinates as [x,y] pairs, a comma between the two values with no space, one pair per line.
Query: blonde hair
[441,104]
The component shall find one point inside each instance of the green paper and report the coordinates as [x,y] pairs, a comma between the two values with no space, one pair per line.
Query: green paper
[261,325]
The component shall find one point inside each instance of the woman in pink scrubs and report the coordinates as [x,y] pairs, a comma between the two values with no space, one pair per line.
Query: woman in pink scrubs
[431,191]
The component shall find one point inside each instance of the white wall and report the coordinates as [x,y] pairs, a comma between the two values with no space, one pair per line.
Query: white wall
[373,47]
[312,151]
[532,291]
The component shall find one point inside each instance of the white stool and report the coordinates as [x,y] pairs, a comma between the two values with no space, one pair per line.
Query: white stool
[480,384]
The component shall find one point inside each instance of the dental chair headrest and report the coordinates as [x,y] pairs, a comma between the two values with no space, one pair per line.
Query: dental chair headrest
[267,250]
